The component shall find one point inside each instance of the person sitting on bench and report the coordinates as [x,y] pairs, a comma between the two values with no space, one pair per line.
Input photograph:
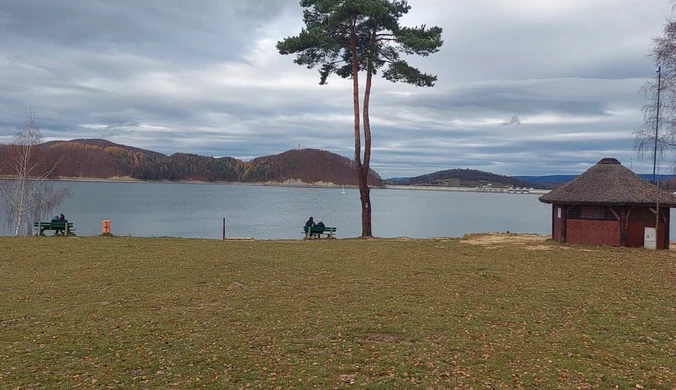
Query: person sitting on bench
[61,218]
[319,228]
[309,225]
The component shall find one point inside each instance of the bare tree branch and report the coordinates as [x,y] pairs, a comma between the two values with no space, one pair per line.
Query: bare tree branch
[663,53]
[28,195]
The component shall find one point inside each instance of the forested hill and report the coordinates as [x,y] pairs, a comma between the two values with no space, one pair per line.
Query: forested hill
[469,178]
[97,158]
[102,143]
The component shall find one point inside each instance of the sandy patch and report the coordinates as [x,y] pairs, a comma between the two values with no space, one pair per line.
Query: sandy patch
[503,238]
[526,241]
[540,248]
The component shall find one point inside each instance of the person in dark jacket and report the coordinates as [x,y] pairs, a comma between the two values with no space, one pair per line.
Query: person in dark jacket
[309,225]
[60,218]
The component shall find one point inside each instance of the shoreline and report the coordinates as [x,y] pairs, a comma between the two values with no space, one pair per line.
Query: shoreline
[464,236]
[496,190]
[126,179]
[287,183]
[476,238]
[204,182]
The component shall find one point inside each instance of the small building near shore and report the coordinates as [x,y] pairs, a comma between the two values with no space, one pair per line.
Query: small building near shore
[609,205]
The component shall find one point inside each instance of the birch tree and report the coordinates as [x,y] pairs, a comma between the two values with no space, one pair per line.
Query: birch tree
[27,195]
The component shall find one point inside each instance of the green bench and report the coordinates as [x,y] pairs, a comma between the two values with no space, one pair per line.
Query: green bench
[329,231]
[63,227]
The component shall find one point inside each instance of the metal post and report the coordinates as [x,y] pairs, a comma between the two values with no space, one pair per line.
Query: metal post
[657,218]
[224,228]
[657,118]
[657,183]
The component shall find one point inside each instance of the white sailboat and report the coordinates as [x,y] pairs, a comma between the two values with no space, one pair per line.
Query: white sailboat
[343,191]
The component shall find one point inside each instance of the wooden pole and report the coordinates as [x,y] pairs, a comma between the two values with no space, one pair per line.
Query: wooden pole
[657,127]
[657,217]
[657,119]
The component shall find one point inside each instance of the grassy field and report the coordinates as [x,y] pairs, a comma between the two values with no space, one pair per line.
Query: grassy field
[132,313]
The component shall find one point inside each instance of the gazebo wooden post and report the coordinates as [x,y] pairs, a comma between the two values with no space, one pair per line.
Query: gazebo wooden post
[667,218]
[554,223]
[564,222]
[623,226]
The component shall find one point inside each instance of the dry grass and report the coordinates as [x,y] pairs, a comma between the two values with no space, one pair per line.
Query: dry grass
[171,313]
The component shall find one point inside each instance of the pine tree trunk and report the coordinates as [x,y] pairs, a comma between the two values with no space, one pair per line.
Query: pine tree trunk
[362,174]
[365,196]
[355,97]
[364,191]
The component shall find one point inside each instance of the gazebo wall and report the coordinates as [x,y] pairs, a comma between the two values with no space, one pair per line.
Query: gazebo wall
[581,231]
[596,225]
[641,218]
[599,225]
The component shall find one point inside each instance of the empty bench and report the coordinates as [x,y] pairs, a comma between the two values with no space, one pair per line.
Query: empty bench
[63,227]
[330,232]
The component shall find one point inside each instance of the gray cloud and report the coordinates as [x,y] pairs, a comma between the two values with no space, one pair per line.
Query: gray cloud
[204,77]
[177,30]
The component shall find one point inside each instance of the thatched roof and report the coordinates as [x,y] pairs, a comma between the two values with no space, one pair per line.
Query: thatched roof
[608,183]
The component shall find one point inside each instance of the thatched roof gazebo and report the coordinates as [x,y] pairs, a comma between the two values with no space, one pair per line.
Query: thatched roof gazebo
[610,205]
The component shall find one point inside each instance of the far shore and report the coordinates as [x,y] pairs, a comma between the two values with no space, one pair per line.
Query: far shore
[287,183]
[495,190]
[127,179]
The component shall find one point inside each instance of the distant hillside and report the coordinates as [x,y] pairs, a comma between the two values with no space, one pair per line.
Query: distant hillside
[97,158]
[312,165]
[666,181]
[567,178]
[102,143]
[467,178]
[548,178]
[473,178]
[398,180]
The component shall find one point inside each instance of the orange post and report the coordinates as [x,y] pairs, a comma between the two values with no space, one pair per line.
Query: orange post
[105,226]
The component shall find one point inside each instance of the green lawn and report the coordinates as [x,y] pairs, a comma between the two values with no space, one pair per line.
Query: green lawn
[132,313]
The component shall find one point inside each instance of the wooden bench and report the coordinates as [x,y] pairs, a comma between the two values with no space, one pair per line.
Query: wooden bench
[329,231]
[63,227]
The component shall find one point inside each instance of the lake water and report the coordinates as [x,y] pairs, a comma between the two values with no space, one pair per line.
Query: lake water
[262,212]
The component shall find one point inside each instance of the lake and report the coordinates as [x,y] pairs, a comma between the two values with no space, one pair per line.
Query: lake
[266,212]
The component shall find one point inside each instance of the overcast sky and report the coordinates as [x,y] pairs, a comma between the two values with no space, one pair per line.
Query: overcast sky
[203,76]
